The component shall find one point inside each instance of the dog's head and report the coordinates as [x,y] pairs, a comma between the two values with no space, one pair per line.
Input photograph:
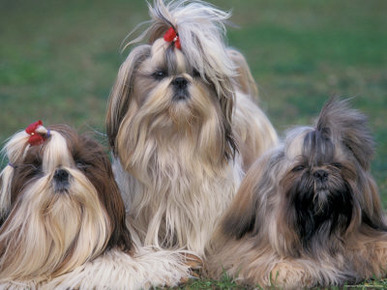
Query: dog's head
[315,185]
[177,86]
[59,202]
[327,185]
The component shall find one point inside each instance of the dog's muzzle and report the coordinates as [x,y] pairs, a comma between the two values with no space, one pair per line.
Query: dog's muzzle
[61,180]
[180,86]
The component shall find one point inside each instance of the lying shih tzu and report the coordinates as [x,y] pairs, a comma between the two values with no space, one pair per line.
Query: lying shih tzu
[182,126]
[308,213]
[63,219]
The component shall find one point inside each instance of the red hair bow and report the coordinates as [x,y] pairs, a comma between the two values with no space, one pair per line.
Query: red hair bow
[35,137]
[172,36]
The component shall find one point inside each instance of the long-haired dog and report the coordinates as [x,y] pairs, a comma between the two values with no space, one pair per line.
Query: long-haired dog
[63,218]
[308,212]
[178,118]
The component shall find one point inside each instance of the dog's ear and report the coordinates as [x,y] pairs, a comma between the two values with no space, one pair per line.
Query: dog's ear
[120,95]
[348,126]
[244,79]
[6,176]
[108,193]
[115,206]
[13,150]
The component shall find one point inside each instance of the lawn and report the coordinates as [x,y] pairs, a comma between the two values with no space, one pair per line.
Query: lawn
[58,61]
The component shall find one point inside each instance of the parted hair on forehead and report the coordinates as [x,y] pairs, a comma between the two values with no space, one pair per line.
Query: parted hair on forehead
[201,28]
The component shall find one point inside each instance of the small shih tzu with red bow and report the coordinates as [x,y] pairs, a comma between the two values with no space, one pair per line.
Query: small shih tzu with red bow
[63,219]
[182,125]
[308,213]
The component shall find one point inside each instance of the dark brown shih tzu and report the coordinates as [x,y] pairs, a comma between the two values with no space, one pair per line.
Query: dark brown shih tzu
[308,212]
[63,219]
[182,125]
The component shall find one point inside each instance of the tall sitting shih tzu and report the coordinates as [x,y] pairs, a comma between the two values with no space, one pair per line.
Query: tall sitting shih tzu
[182,125]
[308,213]
[63,219]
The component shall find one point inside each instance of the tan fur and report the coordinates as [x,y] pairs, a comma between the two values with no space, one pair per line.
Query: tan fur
[291,228]
[63,221]
[179,162]
[244,80]
[146,269]
[33,243]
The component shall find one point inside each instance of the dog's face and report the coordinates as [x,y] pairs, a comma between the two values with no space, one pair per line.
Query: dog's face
[169,90]
[319,184]
[169,102]
[64,206]
[315,186]
[169,96]
[326,185]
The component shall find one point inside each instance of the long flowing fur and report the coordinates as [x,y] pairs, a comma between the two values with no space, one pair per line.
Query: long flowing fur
[148,268]
[308,212]
[64,221]
[179,162]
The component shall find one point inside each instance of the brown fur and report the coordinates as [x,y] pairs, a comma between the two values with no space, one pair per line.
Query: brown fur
[179,151]
[31,173]
[308,213]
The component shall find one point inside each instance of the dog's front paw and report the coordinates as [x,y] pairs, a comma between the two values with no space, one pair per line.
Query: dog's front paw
[290,275]
[195,264]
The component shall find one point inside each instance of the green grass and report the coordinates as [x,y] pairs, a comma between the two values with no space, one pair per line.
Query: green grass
[58,61]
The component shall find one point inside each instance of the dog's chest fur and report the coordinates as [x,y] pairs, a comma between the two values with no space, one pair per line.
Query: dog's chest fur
[182,203]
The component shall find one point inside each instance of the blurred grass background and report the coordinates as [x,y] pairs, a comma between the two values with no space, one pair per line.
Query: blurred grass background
[59,59]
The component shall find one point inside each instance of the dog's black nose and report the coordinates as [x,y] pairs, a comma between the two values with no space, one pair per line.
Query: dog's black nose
[180,83]
[61,180]
[321,175]
[61,175]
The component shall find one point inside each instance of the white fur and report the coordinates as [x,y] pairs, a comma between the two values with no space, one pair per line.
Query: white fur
[59,240]
[13,150]
[179,164]
[206,51]
[191,217]
[117,270]
[36,239]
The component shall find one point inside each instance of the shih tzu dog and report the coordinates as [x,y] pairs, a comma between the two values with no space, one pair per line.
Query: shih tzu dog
[182,125]
[63,219]
[308,212]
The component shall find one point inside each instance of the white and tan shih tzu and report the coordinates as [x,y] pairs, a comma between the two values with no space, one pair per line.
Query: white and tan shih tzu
[182,125]
[63,219]
[308,213]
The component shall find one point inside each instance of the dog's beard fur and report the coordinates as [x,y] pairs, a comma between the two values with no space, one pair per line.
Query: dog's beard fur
[175,130]
[177,150]
[308,212]
[188,116]
[58,219]
[33,240]
[64,221]
[191,127]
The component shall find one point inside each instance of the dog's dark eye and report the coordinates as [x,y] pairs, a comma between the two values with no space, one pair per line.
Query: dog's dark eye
[337,165]
[159,75]
[195,73]
[36,168]
[81,165]
[298,168]
[31,169]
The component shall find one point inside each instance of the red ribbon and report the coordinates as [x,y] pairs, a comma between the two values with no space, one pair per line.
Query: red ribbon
[172,36]
[35,138]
